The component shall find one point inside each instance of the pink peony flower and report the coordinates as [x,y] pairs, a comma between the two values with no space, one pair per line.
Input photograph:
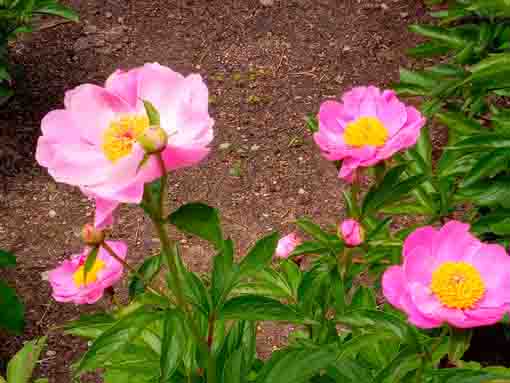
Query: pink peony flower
[367,127]
[67,280]
[287,244]
[352,232]
[92,143]
[449,276]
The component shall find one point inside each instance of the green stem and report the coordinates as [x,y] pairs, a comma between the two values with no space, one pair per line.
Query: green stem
[146,283]
[164,181]
[168,250]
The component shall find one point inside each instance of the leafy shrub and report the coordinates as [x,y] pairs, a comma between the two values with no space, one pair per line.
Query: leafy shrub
[15,18]
[439,280]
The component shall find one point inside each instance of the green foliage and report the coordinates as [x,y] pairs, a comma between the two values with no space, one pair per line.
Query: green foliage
[21,366]
[16,17]
[202,327]
[12,317]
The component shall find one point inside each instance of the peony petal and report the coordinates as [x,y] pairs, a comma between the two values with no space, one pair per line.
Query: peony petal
[455,242]
[93,109]
[104,212]
[422,237]
[394,285]
[392,113]
[125,86]
[419,264]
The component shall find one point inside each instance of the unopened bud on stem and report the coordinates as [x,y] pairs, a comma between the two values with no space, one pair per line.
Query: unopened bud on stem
[153,139]
[91,235]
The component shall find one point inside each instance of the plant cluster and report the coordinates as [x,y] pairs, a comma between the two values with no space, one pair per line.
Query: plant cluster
[377,299]
[16,17]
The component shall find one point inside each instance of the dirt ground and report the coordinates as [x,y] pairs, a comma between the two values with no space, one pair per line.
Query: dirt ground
[266,68]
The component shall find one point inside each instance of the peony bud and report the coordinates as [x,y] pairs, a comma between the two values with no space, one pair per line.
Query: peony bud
[153,139]
[352,232]
[287,244]
[91,235]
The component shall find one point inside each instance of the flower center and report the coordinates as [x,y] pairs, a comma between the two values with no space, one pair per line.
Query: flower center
[79,274]
[119,137]
[457,285]
[366,131]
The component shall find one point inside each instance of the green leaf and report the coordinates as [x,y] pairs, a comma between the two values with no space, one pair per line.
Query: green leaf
[122,333]
[488,165]
[295,365]
[493,193]
[458,343]
[90,326]
[482,142]
[314,230]
[254,307]
[149,269]
[89,262]
[13,311]
[459,122]
[349,371]
[152,112]
[391,189]
[172,346]
[497,222]
[363,298]
[223,275]
[442,35]
[429,49]
[309,247]
[374,319]
[233,371]
[201,220]
[7,259]
[21,366]
[408,359]
[260,254]
[312,123]
[55,9]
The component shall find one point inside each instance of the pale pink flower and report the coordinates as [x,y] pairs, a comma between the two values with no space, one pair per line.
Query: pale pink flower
[449,276]
[92,143]
[287,244]
[352,232]
[68,282]
[368,126]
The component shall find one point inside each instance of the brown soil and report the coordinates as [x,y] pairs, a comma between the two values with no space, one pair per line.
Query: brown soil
[266,67]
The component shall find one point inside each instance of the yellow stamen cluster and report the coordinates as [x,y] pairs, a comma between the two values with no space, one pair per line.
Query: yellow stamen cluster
[118,139]
[366,131]
[457,285]
[79,274]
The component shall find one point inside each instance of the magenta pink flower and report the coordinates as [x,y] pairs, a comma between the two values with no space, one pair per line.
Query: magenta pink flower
[287,244]
[352,232]
[449,276]
[367,127]
[68,282]
[92,142]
